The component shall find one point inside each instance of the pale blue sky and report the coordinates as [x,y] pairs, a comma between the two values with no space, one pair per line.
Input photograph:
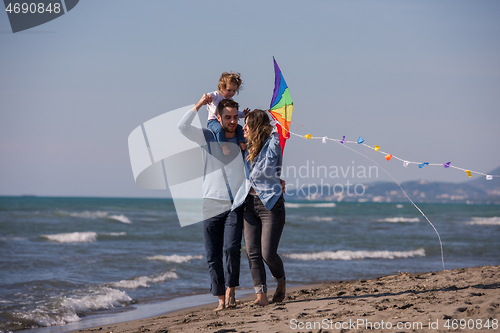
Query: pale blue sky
[419,78]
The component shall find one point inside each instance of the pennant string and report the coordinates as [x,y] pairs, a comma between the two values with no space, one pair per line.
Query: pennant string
[448,165]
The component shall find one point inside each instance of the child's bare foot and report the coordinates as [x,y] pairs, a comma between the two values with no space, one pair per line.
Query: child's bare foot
[243,146]
[225,150]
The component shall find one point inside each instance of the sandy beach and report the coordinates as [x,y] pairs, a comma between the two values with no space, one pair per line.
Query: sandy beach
[464,299]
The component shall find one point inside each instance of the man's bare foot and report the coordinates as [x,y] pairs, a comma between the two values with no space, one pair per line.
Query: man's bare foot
[230,298]
[220,307]
[279,294]
[222,303]
[225,150]
[261,300]
[243,146]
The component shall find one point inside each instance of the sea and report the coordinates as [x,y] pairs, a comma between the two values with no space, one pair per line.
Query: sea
[68,263]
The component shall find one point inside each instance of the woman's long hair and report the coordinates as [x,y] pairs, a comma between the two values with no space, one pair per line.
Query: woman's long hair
[259,130]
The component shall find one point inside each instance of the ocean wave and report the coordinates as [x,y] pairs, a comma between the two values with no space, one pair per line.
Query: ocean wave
[121,218]
[43,316]
[85,214]
[319,218]
[314,205]
[116,234]
[96,215]
[12,238]
[485,221]
[73,237]
[399,219]
[176,258]
[144,281]
[356,255]
[101,299]
[64,310]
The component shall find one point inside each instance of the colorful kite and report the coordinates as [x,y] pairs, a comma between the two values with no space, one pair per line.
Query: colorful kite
[281,106]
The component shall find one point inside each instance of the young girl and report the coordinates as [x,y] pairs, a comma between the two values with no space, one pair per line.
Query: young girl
[229,85]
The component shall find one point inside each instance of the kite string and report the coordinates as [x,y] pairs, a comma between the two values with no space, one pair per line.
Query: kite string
[404,192]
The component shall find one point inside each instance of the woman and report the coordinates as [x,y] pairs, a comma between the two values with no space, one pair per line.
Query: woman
[262,194]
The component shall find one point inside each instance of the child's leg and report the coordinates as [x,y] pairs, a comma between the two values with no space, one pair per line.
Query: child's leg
[215,126]
[220,135]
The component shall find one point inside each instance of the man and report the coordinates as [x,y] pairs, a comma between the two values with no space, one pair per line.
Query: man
[223,175]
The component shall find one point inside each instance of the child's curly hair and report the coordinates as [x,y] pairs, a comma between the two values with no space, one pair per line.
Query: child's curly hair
[259,130]
[226,78]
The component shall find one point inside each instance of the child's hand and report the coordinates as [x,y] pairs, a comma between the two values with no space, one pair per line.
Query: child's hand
[225,150]
[208,98]
[246,111]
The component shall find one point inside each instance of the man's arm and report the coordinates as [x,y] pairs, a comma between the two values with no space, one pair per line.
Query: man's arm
[194,133]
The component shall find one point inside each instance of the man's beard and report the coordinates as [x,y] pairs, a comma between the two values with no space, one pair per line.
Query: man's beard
[227,129]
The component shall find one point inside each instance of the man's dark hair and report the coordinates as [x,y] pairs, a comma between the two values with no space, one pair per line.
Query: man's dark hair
[226,103]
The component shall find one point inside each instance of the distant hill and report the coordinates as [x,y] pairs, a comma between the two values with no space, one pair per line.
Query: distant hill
[478,191]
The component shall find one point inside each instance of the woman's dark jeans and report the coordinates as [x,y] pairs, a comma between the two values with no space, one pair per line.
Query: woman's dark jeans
[262,229]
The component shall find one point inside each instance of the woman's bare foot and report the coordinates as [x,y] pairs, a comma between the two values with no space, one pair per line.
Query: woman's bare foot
[261,300]
[279,294]
[230,297]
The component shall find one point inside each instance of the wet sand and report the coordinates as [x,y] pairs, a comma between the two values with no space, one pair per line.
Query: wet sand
[464,299]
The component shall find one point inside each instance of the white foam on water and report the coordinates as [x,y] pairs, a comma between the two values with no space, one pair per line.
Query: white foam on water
[121,218]
[73,237]
[314,205]
[356,255]
[399,206]
[399,219]
[64,310]
[175,258]
[96,215]
[86,214]
[116,233]
[319,219]
[485,221]
[144,281]
[45,317]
